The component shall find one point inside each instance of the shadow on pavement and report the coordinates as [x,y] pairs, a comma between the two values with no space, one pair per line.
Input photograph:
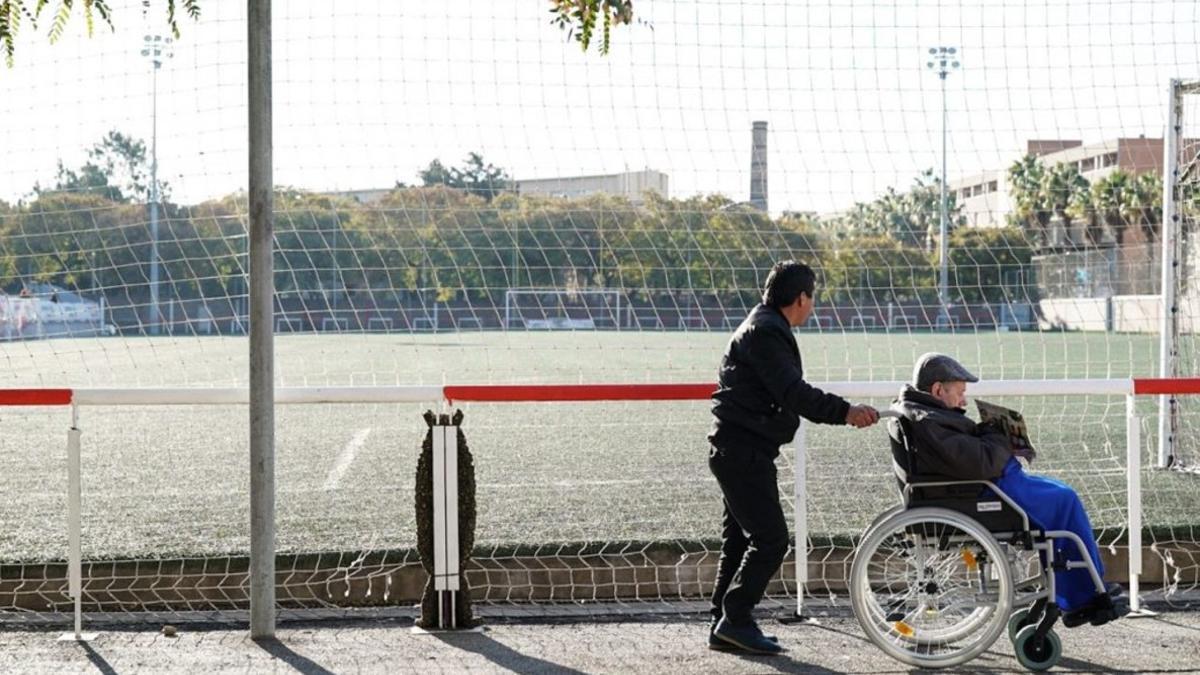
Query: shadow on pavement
[97,660]
[500,654]
[284,653]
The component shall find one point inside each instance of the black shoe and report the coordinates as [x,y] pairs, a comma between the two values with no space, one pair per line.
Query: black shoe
[1100,610]
[712,625]
[747,638]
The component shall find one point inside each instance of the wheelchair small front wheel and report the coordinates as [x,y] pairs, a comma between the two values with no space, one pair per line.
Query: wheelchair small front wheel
[1017,621]
[1037,657]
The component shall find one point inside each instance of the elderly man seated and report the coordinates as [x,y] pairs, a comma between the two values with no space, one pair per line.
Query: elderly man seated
[948,444]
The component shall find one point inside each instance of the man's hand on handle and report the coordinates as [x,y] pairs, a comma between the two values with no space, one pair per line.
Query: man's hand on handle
[862,416]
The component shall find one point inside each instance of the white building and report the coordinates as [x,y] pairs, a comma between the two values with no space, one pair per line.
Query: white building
[984,197]
[629,184]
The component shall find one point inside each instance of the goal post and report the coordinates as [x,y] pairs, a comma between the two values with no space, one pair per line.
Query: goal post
[564,309]
[1179,311]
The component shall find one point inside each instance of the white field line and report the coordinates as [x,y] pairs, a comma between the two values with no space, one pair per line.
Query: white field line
[346,458]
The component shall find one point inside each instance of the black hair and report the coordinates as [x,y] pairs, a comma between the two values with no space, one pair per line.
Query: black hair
[787,280]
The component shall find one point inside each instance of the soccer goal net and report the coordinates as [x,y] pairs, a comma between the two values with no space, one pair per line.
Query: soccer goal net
[464,196]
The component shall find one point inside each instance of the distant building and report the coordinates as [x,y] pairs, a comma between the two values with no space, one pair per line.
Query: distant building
[758,166]
[629,184]
[984,197]
[366,196]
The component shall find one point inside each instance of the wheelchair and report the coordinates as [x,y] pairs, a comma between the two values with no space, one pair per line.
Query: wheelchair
[937,579]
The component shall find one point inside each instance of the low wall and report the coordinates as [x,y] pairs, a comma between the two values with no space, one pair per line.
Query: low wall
[1121,313]
[654,572]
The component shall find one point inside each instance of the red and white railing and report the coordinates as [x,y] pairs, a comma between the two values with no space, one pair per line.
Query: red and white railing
[75,398]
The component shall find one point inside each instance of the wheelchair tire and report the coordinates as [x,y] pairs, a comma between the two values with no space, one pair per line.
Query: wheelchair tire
[1016,622]
[1037,659]
[913,587]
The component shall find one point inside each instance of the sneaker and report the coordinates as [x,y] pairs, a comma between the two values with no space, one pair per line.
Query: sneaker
[748,638]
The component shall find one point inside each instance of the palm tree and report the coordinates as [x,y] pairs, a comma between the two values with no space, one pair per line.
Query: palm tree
[1145,203]
[1059,183]
[1110,196]
[1025,181]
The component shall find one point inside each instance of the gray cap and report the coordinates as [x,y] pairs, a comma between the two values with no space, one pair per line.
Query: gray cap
[934,367]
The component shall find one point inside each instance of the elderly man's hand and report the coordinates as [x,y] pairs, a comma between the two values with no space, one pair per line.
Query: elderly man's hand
[862,416]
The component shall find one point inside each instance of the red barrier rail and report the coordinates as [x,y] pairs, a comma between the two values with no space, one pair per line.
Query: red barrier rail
[1171,385]
[578,392]
[35,397]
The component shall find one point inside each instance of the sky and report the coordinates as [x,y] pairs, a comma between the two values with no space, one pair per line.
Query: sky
[367,92]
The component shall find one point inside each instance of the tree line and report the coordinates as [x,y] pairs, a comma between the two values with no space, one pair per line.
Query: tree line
[465,234]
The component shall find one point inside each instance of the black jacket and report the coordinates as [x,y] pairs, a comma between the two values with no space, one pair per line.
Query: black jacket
[945,441]
[761,393]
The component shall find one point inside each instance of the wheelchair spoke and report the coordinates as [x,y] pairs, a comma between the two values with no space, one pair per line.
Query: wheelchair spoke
[931,587]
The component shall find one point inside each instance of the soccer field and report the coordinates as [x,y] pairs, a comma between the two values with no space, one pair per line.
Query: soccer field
[172,480]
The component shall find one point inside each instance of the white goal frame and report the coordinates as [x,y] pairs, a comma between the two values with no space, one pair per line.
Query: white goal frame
[1171,265]
[512,309]
[383,321]
[342,324]
[292,324]
[861,322]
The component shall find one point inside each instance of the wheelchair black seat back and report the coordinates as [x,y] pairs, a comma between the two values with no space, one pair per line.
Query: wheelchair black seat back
[919,488]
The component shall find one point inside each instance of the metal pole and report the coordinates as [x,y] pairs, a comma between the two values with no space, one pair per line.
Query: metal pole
[1170,265]
[942,60]
[262,291]
[943,225]
[154,315]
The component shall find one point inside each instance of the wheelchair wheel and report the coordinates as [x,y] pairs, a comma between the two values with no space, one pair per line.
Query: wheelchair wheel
[931,587]
[1037,658]
[1017,621]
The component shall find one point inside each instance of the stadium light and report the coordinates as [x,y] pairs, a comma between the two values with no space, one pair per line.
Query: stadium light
[943,60]
[156,49]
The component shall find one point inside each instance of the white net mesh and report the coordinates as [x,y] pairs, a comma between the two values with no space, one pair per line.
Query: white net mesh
[467,198]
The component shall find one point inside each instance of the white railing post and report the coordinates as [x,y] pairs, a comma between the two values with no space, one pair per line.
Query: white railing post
[1133,478]
[75,529]
[800,512]
[445,523]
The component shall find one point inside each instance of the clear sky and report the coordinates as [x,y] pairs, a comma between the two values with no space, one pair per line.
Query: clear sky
[368,91]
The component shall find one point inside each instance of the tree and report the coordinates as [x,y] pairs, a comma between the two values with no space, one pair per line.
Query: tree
[477,178]
[1059,187]
[1145,204]
[13,12]
[580,17]
[877,269]
[1110,196]
[912,217]
[985,262]
[1025,189]
[116,168]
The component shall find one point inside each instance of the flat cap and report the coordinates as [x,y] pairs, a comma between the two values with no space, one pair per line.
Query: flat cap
[933,367]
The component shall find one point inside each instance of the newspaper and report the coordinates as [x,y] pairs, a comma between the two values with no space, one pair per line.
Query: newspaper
[1011,423]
